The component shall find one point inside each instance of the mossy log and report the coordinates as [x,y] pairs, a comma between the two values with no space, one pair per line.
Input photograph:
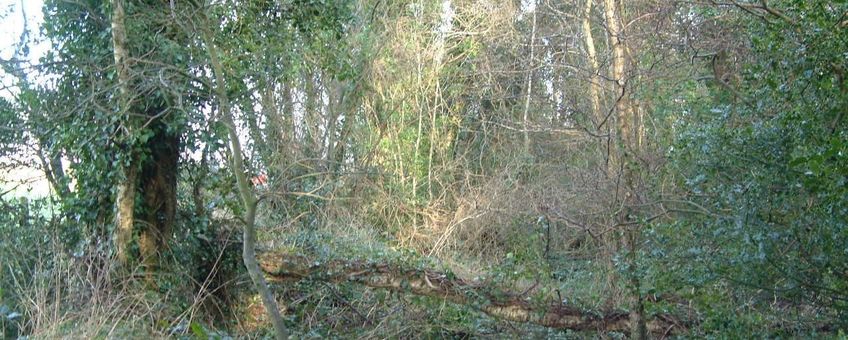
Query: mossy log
[493,301]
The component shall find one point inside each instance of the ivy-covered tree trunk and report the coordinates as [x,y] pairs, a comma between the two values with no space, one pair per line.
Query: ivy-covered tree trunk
[152,178]
[158,189]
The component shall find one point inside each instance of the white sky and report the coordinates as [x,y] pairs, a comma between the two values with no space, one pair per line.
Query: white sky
[11,27]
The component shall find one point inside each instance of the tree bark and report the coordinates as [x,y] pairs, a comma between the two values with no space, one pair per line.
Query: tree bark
[592,60]
[618,75]
[529,92]
[158,187]
[311,117]
[126,187]
[335,95]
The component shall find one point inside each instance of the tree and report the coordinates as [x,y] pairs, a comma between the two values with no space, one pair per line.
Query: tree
[248,198]
[773,120]
[625,158]
[149,165]
[126,189]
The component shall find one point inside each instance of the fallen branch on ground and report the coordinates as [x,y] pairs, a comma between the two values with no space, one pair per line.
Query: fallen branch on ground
[496,303]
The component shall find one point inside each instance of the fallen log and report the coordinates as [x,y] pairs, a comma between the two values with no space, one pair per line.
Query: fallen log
[490,300]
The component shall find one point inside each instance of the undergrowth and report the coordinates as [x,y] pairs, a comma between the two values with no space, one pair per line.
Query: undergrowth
[54,290]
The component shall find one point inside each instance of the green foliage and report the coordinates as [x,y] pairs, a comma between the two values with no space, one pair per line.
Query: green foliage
[10,140]
[754,171]
[773,172]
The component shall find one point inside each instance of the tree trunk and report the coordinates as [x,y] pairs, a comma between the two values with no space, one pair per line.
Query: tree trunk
[158,188]
[592,60]
[154,179]
[126,187]
[529,92]
[625,161]
[618,75]
[255,133]
[335,95]
[311,116]
[280,127]
[124,218]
